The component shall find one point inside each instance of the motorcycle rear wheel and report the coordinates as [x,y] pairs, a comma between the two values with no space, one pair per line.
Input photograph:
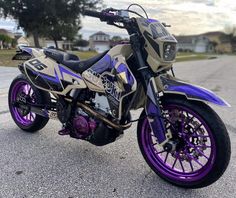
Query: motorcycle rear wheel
[29,122]
[203,150]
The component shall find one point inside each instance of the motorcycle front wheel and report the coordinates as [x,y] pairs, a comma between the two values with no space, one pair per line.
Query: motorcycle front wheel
[202,152]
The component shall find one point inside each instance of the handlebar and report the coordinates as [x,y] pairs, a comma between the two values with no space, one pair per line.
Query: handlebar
[92,13]
[104,16]
[109,15]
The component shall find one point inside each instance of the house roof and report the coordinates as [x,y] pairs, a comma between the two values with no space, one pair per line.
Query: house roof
[185,39]
[3,31]
[224,38]
[189,39]
[216,33]
[6,32]
[100,33]
[22,40]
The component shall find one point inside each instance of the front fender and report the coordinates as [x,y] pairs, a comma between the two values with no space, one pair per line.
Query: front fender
[192,92]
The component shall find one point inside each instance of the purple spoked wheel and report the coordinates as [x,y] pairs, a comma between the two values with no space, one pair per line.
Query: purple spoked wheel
[195,152]
[202,151]
[23,92]
[22,88]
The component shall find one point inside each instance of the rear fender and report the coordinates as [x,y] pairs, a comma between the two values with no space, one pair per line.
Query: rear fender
[26,53]
[191,92]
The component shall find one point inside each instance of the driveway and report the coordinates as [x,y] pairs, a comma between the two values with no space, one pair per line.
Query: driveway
[45,164]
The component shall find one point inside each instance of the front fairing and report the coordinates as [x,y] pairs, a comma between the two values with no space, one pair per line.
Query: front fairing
[156,38]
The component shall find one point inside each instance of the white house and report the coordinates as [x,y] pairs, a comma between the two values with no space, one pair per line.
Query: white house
[99,42]
[9,34]
[51,43]
[202,45]
[44,42]
[194,43]
[22,41]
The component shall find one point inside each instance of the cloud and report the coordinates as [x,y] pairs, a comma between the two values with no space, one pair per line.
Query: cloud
[185,16]
[8,24]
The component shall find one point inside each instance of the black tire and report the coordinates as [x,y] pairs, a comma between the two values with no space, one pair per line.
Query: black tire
[220,135]
[42,97]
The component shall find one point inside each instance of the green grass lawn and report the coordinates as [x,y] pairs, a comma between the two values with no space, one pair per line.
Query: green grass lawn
[6,57]
[85,55]
[185,56]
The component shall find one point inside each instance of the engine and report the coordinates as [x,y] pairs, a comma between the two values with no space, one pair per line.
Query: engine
[101,103]
[91,129]
[83,126]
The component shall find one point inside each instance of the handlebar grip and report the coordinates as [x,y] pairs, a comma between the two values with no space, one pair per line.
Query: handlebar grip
[92,13]
[103,16]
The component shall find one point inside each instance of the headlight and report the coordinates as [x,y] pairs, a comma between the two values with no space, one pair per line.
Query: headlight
[169,51]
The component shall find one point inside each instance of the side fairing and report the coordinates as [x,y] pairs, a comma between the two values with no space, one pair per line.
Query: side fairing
[112,76]
[48,75]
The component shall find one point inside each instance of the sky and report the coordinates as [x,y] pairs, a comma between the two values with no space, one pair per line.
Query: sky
[185,16]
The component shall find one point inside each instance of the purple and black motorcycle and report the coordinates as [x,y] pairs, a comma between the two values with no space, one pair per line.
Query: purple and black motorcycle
[181,138]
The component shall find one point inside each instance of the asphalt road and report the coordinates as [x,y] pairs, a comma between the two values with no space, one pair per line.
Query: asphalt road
[45,164]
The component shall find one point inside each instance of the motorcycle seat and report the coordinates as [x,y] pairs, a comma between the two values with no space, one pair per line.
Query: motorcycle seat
[72,61]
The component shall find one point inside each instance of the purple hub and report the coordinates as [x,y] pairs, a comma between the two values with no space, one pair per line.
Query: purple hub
[195,152]
[22,88]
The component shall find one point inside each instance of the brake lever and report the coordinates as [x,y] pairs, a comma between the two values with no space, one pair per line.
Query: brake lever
[107,14]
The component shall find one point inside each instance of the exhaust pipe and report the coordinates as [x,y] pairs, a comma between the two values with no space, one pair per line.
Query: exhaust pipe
[90,111]
[53,115]
[37,110]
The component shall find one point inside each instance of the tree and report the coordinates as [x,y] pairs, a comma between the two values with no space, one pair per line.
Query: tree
[49,18]
[81,43]
[5,38]
[28,13]
[230,30]
[231,33]
[5,41]
[14,42]
[116,38]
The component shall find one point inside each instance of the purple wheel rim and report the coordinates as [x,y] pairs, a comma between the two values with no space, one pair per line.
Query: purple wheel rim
[182,164]
[18,88]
